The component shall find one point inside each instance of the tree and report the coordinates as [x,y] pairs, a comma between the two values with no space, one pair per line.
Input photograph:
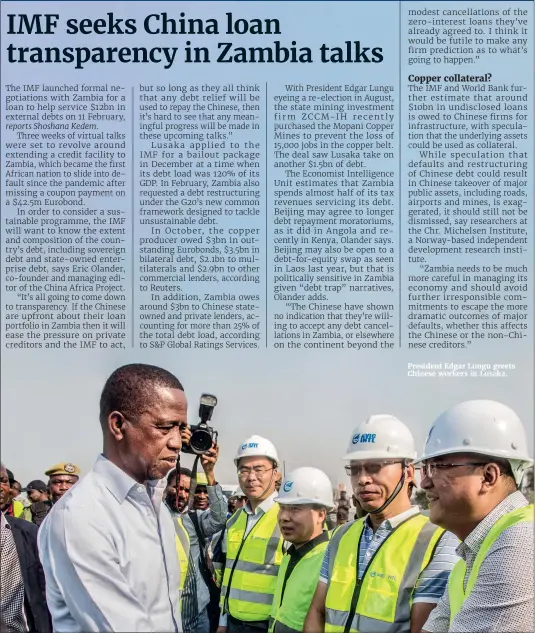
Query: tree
[420,499]
[527,484]
[528,479]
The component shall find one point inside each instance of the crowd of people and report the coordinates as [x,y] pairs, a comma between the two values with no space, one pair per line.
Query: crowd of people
[141,543]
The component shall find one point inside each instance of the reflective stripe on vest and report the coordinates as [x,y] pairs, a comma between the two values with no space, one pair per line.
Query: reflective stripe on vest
[218,573]
[456,591]
[299,591]
[182,549]
[252,566]
[384,594]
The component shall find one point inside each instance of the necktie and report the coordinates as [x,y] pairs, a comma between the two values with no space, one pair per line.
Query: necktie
[11,584]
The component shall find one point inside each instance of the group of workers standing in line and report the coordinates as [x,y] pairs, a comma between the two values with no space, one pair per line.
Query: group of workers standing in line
[122,551]
[466,568]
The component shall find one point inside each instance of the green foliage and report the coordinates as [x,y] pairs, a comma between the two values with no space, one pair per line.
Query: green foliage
[420,499]
[527,484]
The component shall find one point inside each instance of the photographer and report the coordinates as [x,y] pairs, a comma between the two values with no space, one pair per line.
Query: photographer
[200,595]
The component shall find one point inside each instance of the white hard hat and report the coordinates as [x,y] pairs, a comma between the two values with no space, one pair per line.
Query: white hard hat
[306,485]
[237,493]
[485,427]
[381,436]
[256,446]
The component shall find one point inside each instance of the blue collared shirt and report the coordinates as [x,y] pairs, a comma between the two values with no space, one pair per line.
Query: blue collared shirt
[108,551]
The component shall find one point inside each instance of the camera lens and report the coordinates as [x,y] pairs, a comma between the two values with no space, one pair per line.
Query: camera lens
[201,441]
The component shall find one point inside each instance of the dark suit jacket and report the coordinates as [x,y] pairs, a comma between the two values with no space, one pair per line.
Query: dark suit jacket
[25,536]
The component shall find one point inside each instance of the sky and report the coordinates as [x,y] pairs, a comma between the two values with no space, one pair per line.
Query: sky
[307,402]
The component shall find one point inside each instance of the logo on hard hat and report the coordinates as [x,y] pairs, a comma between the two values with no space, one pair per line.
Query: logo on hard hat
[69,468]
[288,486]
[249,445]
[364,438]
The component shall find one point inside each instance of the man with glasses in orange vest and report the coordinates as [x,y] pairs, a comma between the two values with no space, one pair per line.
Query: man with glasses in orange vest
[474,460]
[252,542]
[386,571]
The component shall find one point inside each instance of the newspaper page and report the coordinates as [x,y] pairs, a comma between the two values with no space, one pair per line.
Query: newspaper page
[316,211]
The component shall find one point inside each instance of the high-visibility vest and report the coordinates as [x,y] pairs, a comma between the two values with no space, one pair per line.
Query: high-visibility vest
[382,600]
[288,615]
[18,509]
[27,514]
[218,557]
[456,591]
[182,549]
[252,566]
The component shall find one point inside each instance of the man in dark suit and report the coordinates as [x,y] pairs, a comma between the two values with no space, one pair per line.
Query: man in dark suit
[27,603]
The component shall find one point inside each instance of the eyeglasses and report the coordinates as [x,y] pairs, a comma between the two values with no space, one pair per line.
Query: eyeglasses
[430,469]
[372,468]
[258,471]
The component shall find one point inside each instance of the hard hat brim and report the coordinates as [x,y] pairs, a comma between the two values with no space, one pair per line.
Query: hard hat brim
[271,459]
[359,456]
[479,450]
[300,501]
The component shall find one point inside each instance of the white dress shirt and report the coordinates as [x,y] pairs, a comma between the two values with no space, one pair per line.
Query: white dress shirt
[108,551]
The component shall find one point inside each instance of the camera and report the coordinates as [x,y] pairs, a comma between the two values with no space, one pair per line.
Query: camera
[202,435]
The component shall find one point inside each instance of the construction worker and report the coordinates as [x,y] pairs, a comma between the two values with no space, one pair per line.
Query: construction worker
[252,543]
[236,500]
[385,571]
[305,498]
[216,552]
[474,459]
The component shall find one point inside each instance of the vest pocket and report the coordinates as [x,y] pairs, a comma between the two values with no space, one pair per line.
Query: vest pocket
[378,598]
